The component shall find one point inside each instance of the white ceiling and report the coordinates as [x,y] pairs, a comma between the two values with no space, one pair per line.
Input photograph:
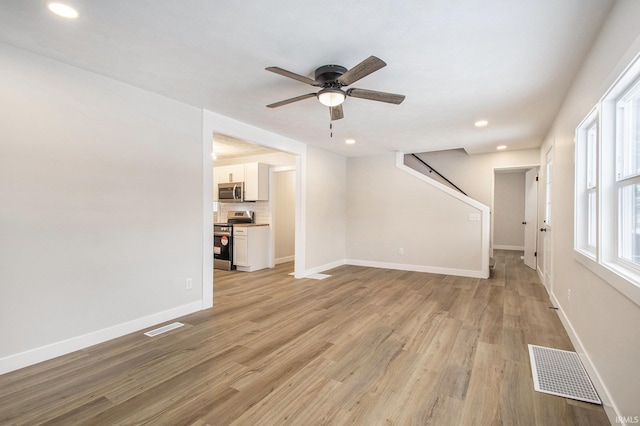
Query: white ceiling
[226,147]
[509,62]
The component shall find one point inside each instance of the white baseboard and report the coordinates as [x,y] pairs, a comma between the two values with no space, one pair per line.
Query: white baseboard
[418,268]
[541,275]
[503,247]
[322,268]
[285,259]
[396,266]
[609,405]
[44,353]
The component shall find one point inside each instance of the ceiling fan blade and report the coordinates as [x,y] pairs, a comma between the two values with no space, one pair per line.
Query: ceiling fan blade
[372,95]
[292,75]
[291,100]
[363,69]
[336,112]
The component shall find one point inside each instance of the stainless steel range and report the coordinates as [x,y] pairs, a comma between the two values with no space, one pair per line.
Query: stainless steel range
[223,238]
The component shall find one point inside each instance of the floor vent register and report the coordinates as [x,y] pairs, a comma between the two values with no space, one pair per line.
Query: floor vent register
[561,373]
[164,329]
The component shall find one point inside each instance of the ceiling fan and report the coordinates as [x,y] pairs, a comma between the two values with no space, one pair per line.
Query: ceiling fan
[332,78]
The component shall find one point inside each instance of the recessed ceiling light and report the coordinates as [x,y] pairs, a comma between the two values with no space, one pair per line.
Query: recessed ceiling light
[501,147]
[481,123]
[350,141]
[63,10]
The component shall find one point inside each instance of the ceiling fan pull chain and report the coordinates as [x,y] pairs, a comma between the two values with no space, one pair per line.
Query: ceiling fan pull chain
[331,129]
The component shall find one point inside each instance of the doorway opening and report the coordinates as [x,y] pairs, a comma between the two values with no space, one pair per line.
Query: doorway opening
[275,206]
[515,218]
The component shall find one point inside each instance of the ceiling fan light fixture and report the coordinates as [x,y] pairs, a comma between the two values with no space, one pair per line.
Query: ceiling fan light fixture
[331,97]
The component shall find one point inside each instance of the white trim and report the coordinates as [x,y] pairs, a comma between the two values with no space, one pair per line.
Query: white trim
[541,276]
[283,169]
[319,269]
[452,192]
[272,212]
[607,402]
[417,268]
[285,259]
[504,247]
[207,218]
[301,215]
[612,277]
[486,226]
[44,353]
[509,169]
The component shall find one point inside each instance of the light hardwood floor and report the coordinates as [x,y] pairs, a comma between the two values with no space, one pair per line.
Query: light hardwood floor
[364,347]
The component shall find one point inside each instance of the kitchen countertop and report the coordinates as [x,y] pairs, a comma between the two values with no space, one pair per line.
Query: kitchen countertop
[237,225]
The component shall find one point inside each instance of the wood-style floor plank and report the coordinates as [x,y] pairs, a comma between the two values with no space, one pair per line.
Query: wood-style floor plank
[363,347]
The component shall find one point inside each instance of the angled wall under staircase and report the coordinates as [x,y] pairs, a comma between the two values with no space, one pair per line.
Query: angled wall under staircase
[398,218]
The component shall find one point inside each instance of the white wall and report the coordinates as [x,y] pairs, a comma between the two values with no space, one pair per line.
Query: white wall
[508,210]
[325,200]
[101,208]
[284,203]
[602,322]
[389,209]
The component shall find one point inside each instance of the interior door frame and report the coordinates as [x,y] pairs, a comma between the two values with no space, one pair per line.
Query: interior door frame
[272,210]
[529,222]
[547,210]
[216,123]
[523,168]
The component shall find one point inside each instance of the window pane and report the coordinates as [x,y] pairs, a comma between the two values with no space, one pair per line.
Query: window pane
[628,134]
[591,220]
[592,141]
[629,223]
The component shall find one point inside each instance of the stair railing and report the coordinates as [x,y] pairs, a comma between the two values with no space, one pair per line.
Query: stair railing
[431,169]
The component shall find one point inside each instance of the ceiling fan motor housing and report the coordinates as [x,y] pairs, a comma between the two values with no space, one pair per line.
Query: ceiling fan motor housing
[327,75]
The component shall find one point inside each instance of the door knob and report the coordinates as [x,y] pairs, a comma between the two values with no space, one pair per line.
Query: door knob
[543,229]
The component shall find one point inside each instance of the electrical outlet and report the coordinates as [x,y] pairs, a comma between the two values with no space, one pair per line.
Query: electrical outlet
[189,284]
[569,295]
[400,250]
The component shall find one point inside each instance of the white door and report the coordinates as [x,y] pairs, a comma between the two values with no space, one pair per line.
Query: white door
[531,219]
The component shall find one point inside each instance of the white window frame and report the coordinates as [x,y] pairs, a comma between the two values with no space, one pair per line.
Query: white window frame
[627,172]
[604,259]
[587,183]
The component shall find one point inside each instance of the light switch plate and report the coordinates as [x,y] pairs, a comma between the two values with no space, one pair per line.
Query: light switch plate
[474,217]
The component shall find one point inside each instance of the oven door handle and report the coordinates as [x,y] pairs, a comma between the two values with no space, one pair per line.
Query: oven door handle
[221,234]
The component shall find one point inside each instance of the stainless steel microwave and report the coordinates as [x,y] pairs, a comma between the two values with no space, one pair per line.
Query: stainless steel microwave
[231,192]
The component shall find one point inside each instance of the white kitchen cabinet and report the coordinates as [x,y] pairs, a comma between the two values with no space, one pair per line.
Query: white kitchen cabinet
[227,174]
[250,247]
[256,182]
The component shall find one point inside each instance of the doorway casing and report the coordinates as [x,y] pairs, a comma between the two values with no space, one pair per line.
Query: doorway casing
[513,169]
[216,123]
